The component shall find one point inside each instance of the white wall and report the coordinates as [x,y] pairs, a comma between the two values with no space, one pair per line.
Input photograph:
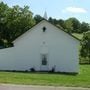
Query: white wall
[62,50]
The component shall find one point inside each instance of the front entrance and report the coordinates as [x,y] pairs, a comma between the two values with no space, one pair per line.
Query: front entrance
[44,57]
[44,62]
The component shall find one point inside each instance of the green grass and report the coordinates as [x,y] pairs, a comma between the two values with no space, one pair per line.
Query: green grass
[82,79]
[79,36]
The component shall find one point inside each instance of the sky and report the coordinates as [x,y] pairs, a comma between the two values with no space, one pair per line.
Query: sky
[59,9]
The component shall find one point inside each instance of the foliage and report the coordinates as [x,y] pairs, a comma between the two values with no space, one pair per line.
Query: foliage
[32,69]
[85,46]
[19,20]
[3,20]
[72,25]
[37,18]
[84,27]
[14,21]
[59,23]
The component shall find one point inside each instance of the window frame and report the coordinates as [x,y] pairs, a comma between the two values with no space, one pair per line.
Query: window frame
[44,59]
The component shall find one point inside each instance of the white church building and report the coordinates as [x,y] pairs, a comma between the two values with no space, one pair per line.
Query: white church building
[44,47]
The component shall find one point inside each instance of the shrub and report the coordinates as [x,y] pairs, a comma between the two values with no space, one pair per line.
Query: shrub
[32,69]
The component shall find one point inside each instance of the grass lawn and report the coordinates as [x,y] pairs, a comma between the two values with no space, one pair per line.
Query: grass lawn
[81,80]
[79,36]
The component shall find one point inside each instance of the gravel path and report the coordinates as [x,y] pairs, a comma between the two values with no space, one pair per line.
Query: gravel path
[31,87]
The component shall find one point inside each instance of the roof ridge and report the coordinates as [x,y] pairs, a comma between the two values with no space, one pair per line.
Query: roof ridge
[53,25]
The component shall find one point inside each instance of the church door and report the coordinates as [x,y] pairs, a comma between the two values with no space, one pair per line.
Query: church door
[44,62]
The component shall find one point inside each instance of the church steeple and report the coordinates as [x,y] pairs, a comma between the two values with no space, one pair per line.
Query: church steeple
[45,15]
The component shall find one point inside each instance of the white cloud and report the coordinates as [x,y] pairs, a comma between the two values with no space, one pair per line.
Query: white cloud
[74,10]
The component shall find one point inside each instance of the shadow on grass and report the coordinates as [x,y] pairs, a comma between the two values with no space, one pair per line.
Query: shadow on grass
[41,72]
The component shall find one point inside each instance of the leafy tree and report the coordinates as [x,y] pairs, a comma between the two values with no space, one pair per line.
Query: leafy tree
[85,46]
[53,21]
[3,13]
[19,20]
[69,26]
[37,18]
[72,25]
[14,21]
[61,22]
[50,19]
[84,27]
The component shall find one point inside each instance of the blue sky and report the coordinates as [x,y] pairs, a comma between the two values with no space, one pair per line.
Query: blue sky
[60,9]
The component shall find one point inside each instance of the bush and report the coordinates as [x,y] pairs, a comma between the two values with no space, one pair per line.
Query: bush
[32,69]
[85,47]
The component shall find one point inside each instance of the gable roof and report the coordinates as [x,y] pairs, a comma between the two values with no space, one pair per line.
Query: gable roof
[63,30]
[51,24]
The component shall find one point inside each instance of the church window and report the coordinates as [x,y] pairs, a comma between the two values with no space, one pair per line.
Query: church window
[44,60]
[44,29]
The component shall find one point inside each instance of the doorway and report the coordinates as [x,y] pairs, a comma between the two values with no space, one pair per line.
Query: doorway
[44,62]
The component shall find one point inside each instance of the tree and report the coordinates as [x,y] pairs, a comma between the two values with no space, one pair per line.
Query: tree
[14,22]
[61,22]
[72,25]
[3,13]
[84,27]
[50,20]
[85,46]
[53,21]
[69,26]
[19,20]
[37,18]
